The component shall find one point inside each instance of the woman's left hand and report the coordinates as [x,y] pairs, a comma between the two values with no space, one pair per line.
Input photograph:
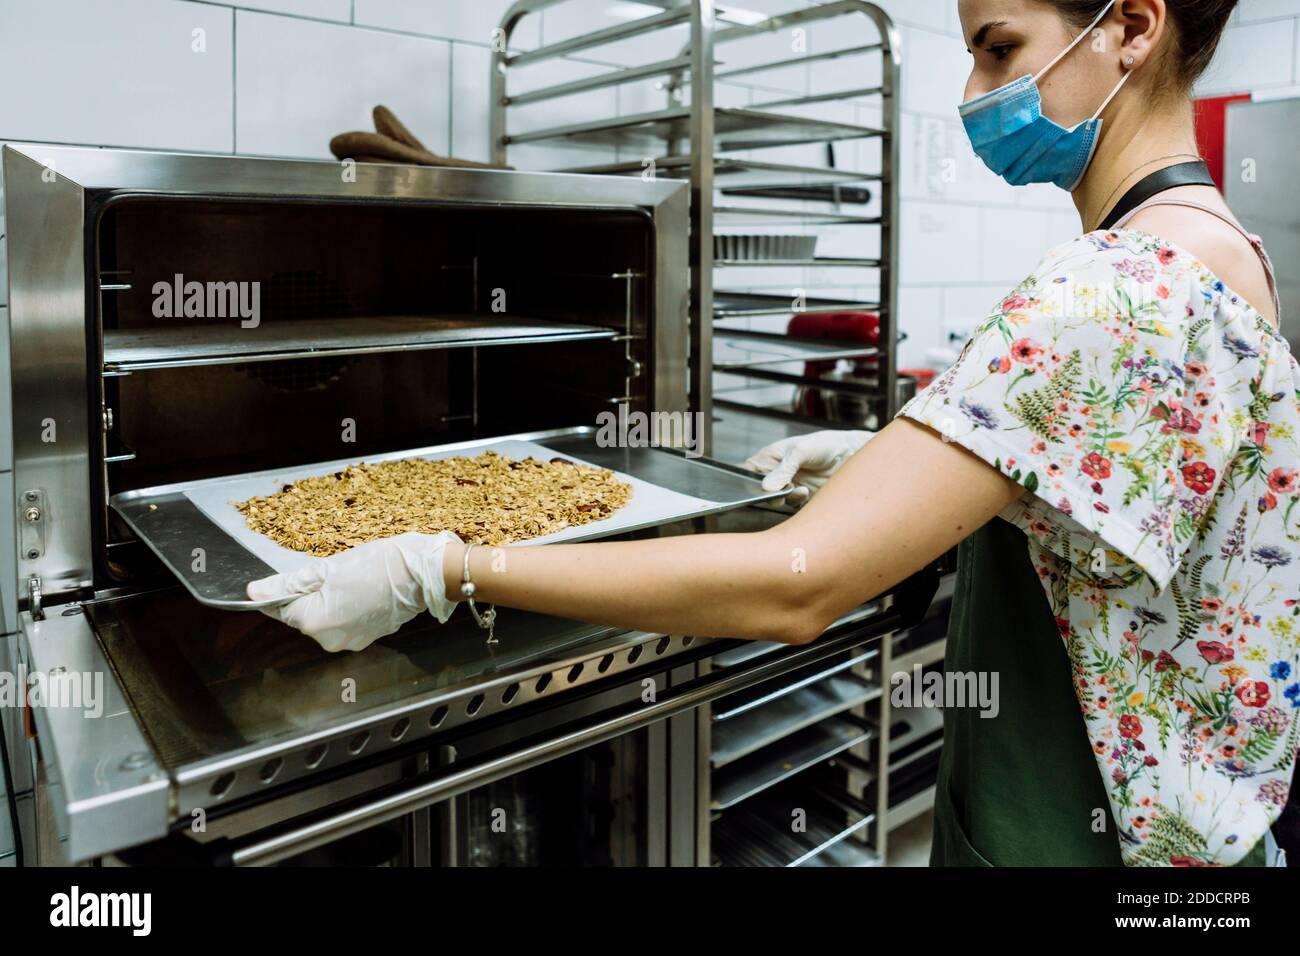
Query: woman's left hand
[806,461]
[350,600]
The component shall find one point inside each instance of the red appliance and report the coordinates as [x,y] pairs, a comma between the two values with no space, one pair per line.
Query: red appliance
[847,327]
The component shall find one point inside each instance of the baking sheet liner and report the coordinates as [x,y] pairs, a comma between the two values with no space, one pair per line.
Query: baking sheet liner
[650,504]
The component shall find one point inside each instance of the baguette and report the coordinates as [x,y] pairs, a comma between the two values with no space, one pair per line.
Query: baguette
[389,125]
[375,147]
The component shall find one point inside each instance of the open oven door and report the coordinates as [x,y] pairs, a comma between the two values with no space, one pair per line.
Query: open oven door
[99,786]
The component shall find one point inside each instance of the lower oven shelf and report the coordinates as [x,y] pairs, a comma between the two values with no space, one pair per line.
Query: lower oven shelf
[175,520]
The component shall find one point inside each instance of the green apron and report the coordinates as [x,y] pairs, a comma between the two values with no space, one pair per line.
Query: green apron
[1021,788]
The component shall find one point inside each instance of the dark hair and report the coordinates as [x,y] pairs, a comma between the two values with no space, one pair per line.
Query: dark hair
[1198,27]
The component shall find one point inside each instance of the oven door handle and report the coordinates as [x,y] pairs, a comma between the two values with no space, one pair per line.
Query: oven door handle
[311,830]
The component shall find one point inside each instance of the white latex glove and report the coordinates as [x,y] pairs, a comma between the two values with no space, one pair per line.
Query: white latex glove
[807,461]
[352,599]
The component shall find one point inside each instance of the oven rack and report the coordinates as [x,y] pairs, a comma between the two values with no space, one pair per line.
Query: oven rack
[922,735]
[786,758]
[819,262]
[763,216]
[734,129]
[791,709]
[749,373]
[744,350]
[761,833]
[752,305]
[746,701]
[734,173]
[189,346]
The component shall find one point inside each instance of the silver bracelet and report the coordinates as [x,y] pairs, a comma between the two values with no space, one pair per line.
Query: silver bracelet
[488,619]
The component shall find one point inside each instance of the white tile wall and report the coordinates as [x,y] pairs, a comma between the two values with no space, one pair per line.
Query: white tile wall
[148,73]
[940,241]
[1011,243]
[471,22]
[470,70]
[923,305]
[930,14]
[1249,11]
[935,68]
[300,82]
[1253,56]
[340,10]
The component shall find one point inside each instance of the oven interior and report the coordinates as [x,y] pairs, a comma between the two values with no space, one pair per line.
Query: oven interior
[350,266]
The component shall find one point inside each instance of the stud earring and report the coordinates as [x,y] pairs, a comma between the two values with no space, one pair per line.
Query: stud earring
[1129,60]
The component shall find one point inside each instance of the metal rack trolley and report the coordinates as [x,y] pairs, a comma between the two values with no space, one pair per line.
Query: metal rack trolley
[702,143]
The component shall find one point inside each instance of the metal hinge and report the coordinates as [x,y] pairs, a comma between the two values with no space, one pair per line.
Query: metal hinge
[34,598]
[31,526]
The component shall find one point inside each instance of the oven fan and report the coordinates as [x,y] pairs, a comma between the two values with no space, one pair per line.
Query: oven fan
[302,294]
[305,294]
[299,375]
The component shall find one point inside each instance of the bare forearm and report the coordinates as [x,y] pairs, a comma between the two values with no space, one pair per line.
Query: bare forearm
[899,503]
[719,585]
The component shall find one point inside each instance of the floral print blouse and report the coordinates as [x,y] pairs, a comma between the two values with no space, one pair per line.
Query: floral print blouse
[1153,418]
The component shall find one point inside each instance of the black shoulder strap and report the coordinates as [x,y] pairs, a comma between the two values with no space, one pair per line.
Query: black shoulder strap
[1184,174]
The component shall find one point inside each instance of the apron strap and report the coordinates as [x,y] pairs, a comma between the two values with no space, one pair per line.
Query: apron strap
[1255,241]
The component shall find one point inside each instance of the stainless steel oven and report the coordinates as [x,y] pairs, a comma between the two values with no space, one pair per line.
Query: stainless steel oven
[397,308]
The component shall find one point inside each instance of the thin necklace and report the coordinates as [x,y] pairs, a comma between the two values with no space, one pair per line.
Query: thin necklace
[1106,205]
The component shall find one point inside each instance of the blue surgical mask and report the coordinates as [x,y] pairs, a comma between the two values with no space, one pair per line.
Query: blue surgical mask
[1013,137]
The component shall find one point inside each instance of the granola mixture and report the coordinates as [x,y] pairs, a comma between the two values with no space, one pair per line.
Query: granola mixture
[488,499]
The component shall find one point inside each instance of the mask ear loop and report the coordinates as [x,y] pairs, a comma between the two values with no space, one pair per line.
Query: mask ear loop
[1077,40]
[1113,93]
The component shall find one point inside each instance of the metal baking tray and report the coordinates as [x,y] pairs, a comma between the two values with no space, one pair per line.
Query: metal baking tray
[177,520]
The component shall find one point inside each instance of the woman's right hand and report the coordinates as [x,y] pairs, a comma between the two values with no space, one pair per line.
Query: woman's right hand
[350,600]
[807,461]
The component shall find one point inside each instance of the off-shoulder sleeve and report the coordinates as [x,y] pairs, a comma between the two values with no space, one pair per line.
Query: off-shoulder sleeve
[1084,386]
